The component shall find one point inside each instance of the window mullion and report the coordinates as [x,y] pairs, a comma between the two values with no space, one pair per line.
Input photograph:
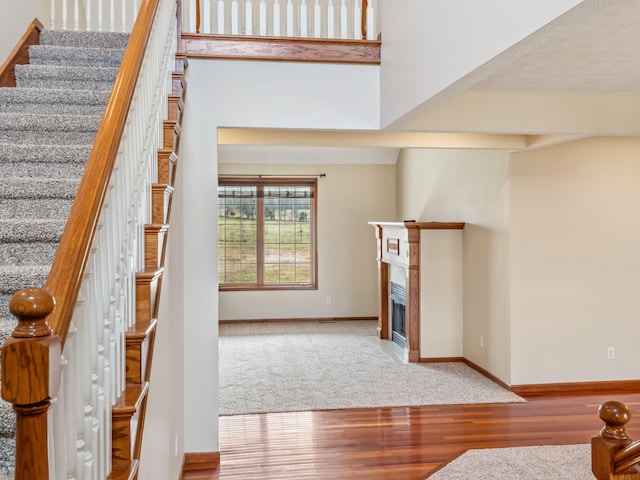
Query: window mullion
[260,235]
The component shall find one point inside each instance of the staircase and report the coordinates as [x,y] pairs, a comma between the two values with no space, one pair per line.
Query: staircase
[48,124]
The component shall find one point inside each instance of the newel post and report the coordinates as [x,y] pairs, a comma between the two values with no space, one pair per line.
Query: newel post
[31,378]
[611,439]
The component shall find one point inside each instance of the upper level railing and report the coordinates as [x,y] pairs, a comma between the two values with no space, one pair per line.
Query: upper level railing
[332,19]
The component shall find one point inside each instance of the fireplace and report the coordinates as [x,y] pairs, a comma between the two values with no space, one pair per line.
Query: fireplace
[398,301]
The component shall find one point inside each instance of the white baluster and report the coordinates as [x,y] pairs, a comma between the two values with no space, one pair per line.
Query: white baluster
[304,16]
[248,17]
[276,18]
[343,20]
[234,18]
[100,15]
[331,13]
[290,19]
[206,13]
[112,16]
[76,15]
[357,20]
[220,17]
[87,17]
[317,20]
[123,23]
[52,14]
[371,22]
[263,18]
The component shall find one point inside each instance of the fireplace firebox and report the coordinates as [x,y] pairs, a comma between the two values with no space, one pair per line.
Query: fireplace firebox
[398,299]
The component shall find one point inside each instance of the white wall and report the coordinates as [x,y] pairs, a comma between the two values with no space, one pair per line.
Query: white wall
[241,94]
[430,45]
[441,280]
[348,197]
[164,425]
[472,187]
[575,262]
[16,17]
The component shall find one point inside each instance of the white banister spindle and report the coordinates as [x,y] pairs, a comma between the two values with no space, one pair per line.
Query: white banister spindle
[248,17]
[235,20]
[317,20]
[343,19]
[76,15]
[220,17]
[112,15]
[87,17]
[290,19]
[357,20]
[263,18]
[206,15]
[100,16]
[276,18]
[304,18]
[123,16]
[371,22]
[331,14]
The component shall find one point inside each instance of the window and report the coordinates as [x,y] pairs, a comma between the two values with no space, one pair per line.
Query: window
[267,233]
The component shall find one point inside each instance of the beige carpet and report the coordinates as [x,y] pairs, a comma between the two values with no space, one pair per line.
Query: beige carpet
[283,367]
[564,462]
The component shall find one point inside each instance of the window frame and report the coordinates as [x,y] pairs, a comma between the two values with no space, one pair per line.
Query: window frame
[260,249]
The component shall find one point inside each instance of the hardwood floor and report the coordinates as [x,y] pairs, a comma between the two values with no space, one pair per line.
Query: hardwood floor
[398,443]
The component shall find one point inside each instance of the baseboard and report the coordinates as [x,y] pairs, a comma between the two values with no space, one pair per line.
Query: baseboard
[200,461]
[315,319]
[487,374]
[441,359]
[627,386]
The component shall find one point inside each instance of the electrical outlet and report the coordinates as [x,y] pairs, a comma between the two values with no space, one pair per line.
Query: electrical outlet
[481,341]
[329,300]
[611,353]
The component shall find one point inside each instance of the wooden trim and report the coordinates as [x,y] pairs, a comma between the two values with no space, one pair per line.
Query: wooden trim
[435,225]
[75,245]
[577,387]
[200,461]
[284,320]
[20,54]
[486,373]
[322,50]
[441,359]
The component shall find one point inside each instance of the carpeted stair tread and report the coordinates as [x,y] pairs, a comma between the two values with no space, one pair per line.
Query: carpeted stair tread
[39,188]
[84,39]
[27,253]
[15,277]
[71,78]
[36,169]
[44,153]
[34,230]
[48,101]
[73,56]
[7,449]
[45,129]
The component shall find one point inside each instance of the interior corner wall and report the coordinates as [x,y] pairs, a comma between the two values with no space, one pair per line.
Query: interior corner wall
[430,45]
[575,262]
[17,16]
[468,186]
[235,93]
[348,197]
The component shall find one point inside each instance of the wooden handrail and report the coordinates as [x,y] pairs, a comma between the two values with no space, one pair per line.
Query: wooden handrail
[75,245]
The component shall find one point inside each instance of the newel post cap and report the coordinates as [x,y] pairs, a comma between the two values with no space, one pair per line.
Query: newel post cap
[31,356]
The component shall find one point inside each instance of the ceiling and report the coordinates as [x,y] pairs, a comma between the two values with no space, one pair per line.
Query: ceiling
[578,76]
